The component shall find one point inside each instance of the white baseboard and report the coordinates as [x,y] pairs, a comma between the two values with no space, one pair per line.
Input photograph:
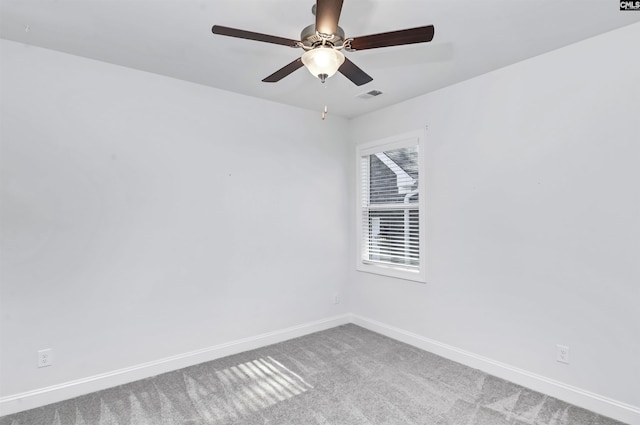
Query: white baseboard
[605,406]
[55,393]
[579,397]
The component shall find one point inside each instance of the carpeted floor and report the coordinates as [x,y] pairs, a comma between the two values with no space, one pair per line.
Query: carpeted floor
[342,376]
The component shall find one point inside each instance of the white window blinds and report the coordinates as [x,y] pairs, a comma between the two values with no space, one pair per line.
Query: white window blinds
[390,208]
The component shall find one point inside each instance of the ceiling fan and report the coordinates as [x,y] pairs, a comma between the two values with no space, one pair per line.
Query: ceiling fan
[324,41]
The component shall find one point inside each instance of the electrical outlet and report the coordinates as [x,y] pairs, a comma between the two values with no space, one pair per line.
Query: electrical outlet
[336,299]
[563,354]
[45,357]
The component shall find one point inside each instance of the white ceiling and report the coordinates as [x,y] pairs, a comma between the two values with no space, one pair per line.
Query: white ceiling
[173,38]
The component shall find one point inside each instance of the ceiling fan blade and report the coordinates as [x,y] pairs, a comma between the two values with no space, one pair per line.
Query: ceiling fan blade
[328,15]
[394,38]
[284,71]
[355,74]
[248,35]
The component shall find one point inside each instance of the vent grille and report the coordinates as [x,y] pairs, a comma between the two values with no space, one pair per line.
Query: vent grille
[369,94]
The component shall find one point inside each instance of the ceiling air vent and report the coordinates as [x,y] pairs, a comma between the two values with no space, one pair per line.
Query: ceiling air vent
[369,94]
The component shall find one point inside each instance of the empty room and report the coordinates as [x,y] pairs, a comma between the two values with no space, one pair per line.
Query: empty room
[319,212]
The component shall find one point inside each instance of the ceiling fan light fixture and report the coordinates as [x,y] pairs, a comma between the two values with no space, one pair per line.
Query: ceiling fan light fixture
[323,61]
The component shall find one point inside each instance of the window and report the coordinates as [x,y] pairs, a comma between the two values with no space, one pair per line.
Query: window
[391,213]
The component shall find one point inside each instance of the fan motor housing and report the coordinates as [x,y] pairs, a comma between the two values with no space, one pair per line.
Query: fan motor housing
[310,38]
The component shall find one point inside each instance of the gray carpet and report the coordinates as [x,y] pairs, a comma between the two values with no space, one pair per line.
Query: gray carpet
[342,376]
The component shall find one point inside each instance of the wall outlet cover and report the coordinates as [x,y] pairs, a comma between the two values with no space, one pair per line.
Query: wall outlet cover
[45,357]
[562,354]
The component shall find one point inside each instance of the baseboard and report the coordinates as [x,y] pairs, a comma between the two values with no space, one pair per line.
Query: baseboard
[579,397]
[53,394]
[605,406]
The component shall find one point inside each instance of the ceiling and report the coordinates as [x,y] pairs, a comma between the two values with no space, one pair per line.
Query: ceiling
[173,38]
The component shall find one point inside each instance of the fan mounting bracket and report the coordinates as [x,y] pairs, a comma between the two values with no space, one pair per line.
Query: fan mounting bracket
[310,38]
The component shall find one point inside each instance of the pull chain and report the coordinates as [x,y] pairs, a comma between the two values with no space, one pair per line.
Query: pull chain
[325,111]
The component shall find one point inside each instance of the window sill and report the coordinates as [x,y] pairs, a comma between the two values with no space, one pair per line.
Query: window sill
[395,272]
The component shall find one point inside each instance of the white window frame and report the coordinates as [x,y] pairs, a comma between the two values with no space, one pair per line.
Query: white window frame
[369,148]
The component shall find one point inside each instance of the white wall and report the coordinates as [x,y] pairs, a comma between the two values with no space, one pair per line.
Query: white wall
[137,213]
[533,216]
[144,217]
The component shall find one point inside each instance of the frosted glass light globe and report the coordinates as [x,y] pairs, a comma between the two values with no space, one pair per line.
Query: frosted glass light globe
[323,62]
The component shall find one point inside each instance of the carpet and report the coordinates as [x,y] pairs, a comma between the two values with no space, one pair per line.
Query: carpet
[342,376]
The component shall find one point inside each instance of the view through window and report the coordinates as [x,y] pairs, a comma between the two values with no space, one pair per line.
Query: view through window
[390,207]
